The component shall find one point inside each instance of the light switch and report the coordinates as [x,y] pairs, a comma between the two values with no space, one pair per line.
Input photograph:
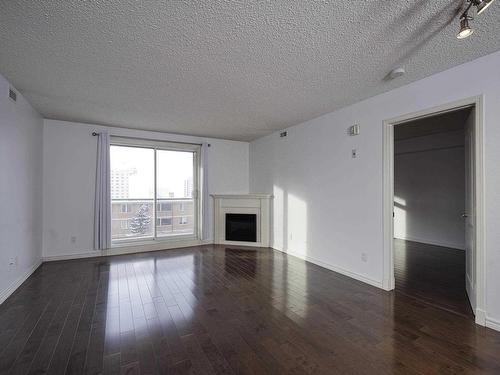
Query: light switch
[354,130]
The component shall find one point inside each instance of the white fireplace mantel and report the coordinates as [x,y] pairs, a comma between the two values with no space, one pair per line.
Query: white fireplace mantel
[258,204]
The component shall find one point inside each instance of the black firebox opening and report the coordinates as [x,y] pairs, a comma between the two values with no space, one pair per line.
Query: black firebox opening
[241,227]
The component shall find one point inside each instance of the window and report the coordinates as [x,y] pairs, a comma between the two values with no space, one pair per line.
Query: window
[149,182]
[164,207]
[125,208]
[164,221]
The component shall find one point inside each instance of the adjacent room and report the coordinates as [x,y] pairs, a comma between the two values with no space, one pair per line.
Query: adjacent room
[249,187]
[431,222]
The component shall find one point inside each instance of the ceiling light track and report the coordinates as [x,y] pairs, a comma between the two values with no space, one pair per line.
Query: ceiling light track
[465,29]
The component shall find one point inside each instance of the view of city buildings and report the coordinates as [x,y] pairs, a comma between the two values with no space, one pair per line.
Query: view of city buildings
[136,218]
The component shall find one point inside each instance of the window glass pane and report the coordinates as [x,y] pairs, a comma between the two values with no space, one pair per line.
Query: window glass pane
[132,192]
[136,214]
[132,172]
[175,176]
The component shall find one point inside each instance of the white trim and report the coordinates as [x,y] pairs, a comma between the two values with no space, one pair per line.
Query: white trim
[158,144]
[88,254]
[449,245]
[469,286]
[388,187]
[493,324]
[257,204]
[480,317]
[133,249]
[154,247]
[146,241]
[242,196]
[6,293]
[334,268]
[155,145]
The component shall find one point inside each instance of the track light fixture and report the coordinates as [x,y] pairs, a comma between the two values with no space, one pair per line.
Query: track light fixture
[465,29]
[482,5]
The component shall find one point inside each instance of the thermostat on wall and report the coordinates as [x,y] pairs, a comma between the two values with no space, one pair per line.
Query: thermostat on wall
[354,130]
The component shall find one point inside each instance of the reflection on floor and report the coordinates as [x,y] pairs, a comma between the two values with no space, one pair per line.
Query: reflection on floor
[218,310]
[433,274]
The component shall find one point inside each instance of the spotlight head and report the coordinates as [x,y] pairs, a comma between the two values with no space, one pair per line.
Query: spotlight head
[482,5]
[465,29]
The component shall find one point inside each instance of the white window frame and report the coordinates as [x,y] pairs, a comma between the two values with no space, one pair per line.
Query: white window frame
[167,146]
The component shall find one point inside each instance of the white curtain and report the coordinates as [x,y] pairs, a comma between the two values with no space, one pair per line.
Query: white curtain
[205,200]
[102,209]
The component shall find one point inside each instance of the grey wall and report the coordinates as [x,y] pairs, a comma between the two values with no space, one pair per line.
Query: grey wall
[429,189]
[69,180]
[328,207]
[20,190]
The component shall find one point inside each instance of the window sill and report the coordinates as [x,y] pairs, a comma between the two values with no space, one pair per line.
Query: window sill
[145,246]
[146,242]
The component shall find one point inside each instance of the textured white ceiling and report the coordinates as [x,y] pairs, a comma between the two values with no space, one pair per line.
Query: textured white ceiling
[229,69]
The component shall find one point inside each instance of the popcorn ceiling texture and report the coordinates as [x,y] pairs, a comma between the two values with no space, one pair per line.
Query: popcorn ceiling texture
[228,69]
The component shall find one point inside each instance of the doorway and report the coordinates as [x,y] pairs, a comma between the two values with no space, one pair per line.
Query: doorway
[433,207]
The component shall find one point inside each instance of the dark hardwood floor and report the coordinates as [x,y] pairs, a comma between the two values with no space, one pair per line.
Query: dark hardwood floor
[219,310]
[433,274]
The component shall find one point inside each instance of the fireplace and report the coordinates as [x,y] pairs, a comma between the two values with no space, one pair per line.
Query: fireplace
[242,219]
[241,227]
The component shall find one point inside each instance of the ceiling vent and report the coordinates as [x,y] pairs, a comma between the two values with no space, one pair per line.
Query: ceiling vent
[12,94]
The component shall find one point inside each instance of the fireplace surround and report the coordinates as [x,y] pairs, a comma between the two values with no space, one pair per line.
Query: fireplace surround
[242,219]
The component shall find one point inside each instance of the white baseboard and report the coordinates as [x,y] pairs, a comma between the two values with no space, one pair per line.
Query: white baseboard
[88,254]
[493,324]
[131,249]
[470,290]
[389,284]
[16,284]
[435,243]
[480,317]
[332,267]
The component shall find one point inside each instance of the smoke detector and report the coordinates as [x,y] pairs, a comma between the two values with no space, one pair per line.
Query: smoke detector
[395,73]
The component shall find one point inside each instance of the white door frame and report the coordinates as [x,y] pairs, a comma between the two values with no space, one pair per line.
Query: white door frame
[388,224]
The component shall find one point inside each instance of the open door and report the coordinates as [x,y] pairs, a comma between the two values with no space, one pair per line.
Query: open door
[470,215]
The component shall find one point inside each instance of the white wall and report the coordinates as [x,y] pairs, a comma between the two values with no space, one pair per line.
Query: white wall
[329,206]
[69,179]
[20,190]
[429,189]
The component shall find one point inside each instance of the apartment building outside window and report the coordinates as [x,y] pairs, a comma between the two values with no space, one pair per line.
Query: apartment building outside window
[152,187]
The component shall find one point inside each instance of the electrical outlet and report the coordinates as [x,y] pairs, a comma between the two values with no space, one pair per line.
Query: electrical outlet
[13,262]
[354,153]
[73,239]
[364,257]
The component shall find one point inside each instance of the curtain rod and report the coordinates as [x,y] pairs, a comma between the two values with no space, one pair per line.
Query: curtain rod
[94,134]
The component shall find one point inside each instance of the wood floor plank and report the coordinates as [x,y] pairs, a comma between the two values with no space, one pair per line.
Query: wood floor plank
[433,274]
[234,310]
